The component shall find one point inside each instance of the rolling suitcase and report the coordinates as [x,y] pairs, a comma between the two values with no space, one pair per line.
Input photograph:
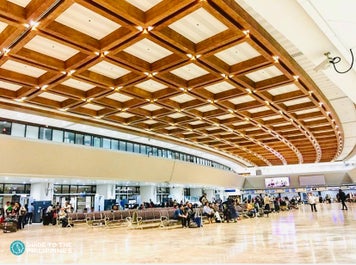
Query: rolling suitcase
[198,220]
[9,225]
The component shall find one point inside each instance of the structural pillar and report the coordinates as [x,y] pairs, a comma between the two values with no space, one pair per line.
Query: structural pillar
[177,193]
[148,193]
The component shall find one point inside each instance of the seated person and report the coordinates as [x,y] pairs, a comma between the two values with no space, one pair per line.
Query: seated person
[250,208]
[63,217]
[181,214]
[209,212]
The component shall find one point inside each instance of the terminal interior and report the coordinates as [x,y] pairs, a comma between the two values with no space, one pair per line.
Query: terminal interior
[111,105]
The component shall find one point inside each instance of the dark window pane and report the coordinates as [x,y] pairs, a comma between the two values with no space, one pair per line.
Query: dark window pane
[97,141]
[5,127]
[69,137]
[79,138]
[87,140]
[45,133]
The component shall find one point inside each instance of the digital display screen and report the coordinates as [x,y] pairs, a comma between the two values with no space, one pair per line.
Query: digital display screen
[278,182]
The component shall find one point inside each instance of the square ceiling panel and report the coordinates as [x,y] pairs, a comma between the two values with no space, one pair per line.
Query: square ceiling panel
[144,5]
[151,85]
[2,26]
[238,53]
[189,71]
[52,97]
[219,87]
[283,89]
[9,86]
[24,69]
[92,107]
[148,51]
[255,110]
[51,48]
[124,115]
[242,99]
[271,117]
[87,21]
[307,111]
[226,116]
[198,26]
[296,101]
[206,108]
[240,123]
[196,122]
[150,122]
[109,70]
[265,73]
[171,127]
[22,3]
[151,107]
[78,84]
[119,97]
[176,115]
[182,98]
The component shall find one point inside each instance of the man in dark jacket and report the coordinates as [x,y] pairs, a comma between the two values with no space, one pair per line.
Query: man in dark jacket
[342,198]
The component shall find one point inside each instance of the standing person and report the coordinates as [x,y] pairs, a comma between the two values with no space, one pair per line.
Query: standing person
[21,217]
[29,215]
[312,202]
[342,198]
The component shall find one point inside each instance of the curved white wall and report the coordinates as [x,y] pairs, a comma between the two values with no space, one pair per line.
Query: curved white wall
[36,158]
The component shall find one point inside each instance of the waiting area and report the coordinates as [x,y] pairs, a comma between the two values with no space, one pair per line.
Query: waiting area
[296,236]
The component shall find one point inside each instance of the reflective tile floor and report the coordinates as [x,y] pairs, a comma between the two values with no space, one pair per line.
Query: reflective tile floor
[294,237]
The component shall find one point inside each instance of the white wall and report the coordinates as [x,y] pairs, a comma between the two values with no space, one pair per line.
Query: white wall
[24,157]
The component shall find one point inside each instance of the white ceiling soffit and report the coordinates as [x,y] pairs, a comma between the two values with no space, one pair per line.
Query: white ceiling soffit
[307,44]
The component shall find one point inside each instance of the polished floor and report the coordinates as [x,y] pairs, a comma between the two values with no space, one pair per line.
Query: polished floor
[295,237]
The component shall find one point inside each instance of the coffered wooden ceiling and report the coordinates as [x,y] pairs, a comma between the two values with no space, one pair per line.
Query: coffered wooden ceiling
[200,71]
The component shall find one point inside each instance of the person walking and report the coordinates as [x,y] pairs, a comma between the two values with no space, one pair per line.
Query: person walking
[312,202]
[342,198]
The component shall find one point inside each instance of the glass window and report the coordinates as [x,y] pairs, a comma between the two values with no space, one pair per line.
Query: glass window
[18,130]
[65,188]
[45,133]
[57,188]
[79,138]
[69,137]
[87,140]
[154,151]
[97,141]
[73,189]
[123,145]
[32,132]
[5,127]
[165,153]
[57,136]
[143,149]
[129,147]
[106,143]
[86,189]
[114,144]
[136,148]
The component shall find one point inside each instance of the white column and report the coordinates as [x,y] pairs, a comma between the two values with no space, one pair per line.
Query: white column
[41,191]
[210,194]
[177,193]
[195,194]
[106,190]
[148,193]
